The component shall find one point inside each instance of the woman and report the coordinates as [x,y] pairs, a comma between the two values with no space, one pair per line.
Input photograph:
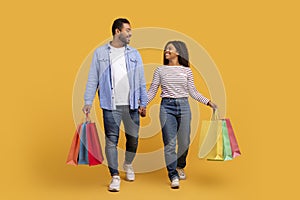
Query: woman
[176,80]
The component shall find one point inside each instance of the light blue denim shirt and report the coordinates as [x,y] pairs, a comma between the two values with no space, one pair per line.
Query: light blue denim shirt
[100,78]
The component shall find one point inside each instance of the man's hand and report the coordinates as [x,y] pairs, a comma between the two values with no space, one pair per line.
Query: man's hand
[142,111]
[86,109]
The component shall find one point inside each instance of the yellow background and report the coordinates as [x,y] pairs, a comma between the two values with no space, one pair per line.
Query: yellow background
[255,45]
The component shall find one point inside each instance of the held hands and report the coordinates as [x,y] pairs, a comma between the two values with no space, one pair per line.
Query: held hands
[142,111]
[87,109]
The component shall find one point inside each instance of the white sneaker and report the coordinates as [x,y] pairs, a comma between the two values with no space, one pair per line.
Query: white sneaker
[181,173]
[175,183]
[114,185]
[129,172]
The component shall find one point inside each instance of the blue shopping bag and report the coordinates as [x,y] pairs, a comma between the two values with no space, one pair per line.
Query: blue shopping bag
[83,158]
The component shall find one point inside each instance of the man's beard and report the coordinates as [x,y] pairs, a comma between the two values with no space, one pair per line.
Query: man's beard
[124,40]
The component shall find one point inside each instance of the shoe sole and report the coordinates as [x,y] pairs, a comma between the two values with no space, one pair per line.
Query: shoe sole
[175,187]
[113,190]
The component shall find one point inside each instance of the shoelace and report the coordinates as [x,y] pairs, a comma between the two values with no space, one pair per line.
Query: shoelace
[180,172]
[115,180]
[129,169]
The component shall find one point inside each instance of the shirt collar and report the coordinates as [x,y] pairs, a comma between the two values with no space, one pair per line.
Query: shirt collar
[127,47]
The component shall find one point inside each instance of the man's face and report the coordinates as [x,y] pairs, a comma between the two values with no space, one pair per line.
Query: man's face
[125,34]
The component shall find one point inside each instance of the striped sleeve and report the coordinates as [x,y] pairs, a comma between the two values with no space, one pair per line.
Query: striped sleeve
[154,86]
[192,89]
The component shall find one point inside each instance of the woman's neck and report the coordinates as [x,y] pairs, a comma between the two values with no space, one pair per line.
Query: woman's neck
[173,63]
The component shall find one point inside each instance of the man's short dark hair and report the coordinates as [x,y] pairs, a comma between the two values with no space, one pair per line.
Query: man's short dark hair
[118,24]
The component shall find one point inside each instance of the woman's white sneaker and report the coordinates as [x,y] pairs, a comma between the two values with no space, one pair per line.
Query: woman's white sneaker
[181,174]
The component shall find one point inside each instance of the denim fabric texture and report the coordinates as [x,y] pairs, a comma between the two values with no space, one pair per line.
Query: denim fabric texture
[175,119]
[112,120]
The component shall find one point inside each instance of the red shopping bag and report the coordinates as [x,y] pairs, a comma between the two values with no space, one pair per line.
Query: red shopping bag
[74,150]
[94,148]
[233,142]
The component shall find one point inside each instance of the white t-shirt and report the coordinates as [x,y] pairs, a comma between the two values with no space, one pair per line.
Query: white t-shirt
[119,75]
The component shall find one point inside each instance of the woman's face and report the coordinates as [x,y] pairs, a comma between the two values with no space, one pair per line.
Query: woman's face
[170,52]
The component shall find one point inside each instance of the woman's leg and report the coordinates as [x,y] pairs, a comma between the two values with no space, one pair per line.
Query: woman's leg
[169,131]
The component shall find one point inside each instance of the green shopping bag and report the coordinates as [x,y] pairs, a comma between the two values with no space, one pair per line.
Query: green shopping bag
[227,153]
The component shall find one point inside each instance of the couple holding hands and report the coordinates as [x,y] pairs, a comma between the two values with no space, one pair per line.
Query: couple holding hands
[117,74]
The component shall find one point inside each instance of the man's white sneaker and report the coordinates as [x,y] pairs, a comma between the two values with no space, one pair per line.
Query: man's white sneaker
[129,172]
[175,183]
[181,173]
[114,185]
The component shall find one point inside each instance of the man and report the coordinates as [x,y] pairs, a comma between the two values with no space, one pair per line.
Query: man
[117,72]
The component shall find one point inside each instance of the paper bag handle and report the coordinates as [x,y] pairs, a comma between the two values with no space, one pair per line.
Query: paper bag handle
[87,117]
[215,115]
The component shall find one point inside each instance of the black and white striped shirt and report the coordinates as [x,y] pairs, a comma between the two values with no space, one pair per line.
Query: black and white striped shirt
[175,82]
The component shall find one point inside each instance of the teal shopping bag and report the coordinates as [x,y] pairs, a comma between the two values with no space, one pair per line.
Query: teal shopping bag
[83,158]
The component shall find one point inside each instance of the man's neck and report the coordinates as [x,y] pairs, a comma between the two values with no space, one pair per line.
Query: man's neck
[117,44]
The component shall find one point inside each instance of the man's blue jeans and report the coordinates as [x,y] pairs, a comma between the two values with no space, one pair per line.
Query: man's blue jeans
[112,120]
[175,119]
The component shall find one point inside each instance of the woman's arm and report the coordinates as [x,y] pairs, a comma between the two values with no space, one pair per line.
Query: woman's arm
[154,85]
[192,89]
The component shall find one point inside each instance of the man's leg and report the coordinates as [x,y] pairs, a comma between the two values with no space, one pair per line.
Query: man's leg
[112,120]
[131,120]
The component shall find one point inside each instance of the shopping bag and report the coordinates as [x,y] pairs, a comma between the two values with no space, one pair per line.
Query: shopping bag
[74,150]
[233,141]
[83,158]
[217,152]
[209,135]
[95,156]
[85,148]
[227,154]
[217,140]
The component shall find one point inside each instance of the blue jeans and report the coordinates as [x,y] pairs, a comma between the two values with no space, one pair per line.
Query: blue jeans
[112,120]
[175,119]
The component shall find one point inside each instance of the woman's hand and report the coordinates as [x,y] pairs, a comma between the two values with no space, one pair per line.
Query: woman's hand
[212,105]
[142,111]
